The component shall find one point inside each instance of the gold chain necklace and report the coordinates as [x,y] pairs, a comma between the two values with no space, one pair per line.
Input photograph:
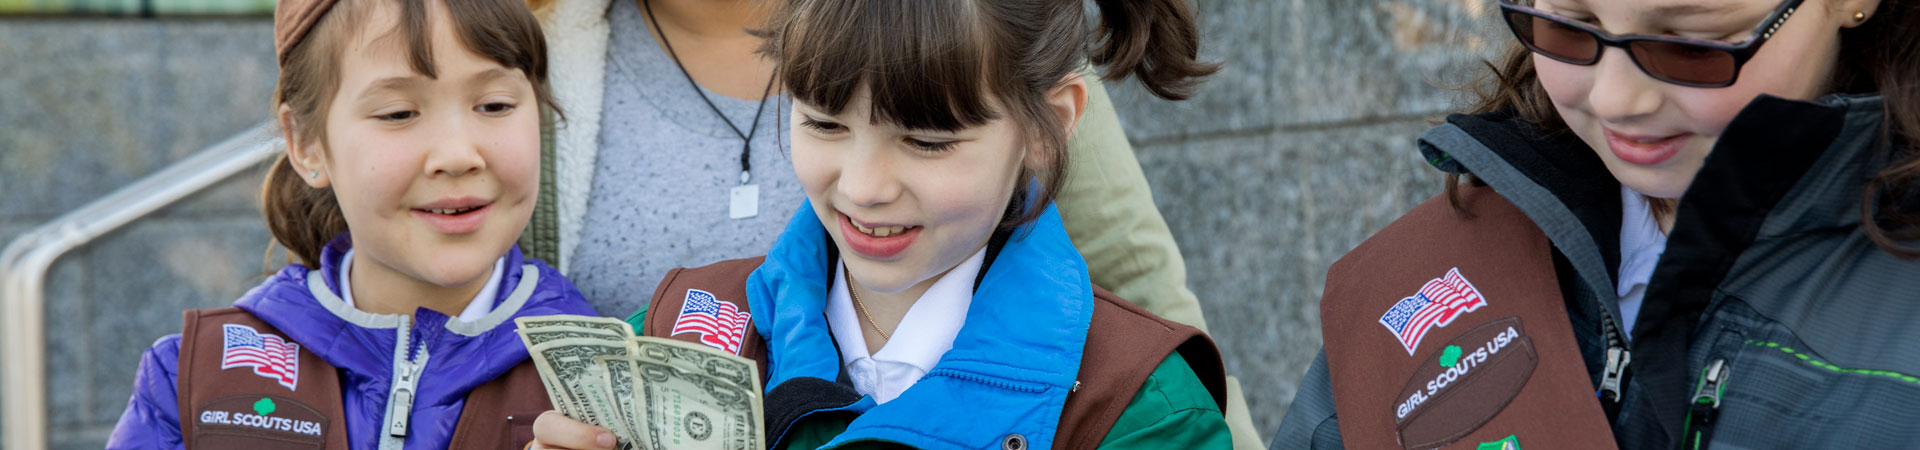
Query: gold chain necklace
[862,306]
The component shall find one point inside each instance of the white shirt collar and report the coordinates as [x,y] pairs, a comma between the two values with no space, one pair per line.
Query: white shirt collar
[481,304]
[924,335]
[1641,241]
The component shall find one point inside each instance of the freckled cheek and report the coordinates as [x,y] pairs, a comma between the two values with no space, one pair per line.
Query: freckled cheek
[1567,86]
[812,167]
[1708,111]
[515,159]
[971,198]
[372,175]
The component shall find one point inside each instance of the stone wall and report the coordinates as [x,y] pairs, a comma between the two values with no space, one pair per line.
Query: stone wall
[1296,151]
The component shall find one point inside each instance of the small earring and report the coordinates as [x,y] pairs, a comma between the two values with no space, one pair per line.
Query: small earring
[1859,16]
[315,174]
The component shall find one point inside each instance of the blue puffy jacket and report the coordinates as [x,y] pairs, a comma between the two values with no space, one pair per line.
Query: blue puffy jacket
[305,305]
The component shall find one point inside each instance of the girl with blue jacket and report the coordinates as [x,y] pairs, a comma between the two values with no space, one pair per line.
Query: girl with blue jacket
[926,294]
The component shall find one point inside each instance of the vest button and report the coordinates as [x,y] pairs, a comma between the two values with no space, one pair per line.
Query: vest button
[1014,442]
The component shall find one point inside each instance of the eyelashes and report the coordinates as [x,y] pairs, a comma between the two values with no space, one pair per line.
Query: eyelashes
[930,146]
[826,127]
[495,109]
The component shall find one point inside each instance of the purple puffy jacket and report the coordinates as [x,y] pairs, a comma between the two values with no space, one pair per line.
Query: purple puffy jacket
[305,305]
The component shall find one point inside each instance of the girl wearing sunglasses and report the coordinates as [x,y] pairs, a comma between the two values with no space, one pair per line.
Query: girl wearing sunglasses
[1669,223]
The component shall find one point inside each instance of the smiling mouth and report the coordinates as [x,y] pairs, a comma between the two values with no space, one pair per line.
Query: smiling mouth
[451,212]
[880,231]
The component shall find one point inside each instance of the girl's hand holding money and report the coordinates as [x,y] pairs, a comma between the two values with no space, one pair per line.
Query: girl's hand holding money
[555,431]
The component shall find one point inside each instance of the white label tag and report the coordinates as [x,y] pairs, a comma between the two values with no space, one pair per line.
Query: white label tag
[744,201]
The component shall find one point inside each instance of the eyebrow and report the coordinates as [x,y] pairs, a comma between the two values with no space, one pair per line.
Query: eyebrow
[1690,9]
[390,84]
[492,74]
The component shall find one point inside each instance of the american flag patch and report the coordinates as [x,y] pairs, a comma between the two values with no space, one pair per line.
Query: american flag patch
[1435,306]
[720,324]
[268,355]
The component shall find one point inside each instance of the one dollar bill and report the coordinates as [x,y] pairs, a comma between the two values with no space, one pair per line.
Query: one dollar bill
[653,393]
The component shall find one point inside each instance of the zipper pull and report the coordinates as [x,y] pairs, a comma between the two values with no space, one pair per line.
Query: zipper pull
[407,368]
[1706,402]
[400,401]
[1617,359]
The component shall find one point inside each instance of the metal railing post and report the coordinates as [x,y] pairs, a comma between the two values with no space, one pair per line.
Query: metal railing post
[24,265]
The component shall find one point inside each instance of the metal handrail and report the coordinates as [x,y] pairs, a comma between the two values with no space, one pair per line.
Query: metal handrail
[24,265]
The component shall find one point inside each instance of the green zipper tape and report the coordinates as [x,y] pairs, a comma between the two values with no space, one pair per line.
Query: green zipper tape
[1910,379]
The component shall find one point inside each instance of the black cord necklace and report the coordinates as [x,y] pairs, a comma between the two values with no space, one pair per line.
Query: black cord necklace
[745,198]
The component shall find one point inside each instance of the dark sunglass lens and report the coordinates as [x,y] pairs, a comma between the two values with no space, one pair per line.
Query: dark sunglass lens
[1559,41]
[1684,63]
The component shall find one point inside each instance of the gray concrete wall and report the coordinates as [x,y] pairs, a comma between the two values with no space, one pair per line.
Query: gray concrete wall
[1300,148]
[92,105]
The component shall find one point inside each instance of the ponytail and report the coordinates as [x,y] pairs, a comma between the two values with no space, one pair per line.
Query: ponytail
[302,218]
[1156,41]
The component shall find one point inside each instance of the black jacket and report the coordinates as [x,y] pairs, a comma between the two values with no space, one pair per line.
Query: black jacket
[1766,273]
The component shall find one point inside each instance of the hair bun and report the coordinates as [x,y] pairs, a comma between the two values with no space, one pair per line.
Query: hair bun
[292,19]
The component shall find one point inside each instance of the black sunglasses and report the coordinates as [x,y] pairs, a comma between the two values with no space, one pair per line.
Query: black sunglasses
[1673,59]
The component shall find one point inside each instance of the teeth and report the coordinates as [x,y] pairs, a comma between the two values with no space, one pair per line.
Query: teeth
[449,211]
[881,231]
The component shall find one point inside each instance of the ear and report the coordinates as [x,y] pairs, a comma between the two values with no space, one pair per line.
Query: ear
[1068,103]
[1844,11]
[308,158]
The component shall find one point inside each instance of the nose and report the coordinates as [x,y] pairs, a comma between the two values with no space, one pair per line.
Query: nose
[453,151]
[1621,92]
[867,175]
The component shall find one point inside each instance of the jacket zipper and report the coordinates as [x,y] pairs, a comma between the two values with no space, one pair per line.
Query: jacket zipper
[406,380]
[1618,356]
[1705,405]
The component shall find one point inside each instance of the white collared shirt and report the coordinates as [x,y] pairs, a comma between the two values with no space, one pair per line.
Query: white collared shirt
[1641,244]
[924,335]
[481,304]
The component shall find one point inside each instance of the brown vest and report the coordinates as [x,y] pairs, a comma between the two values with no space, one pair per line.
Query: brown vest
[1449,331]
[236,408]
[1111,366]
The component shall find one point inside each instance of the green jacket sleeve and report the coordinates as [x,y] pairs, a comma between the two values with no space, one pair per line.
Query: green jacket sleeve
[638,319]
[1110,215]
[1171,410]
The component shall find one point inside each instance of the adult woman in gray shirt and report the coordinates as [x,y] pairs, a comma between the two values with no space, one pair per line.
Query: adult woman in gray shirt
[672,154]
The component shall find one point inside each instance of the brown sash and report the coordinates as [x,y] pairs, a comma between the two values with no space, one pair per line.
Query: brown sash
[1450,331]
[1111,367]
[238,407]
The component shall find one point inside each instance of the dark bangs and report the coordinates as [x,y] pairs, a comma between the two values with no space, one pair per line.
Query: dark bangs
[503,31]
[923,62]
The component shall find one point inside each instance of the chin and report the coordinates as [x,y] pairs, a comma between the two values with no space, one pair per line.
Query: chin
[885,277]
[1656,183]
[455,267]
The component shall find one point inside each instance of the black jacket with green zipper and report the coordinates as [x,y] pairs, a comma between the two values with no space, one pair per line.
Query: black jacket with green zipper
[1767,277]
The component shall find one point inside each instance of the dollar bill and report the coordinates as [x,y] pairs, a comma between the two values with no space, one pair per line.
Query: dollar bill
[653,393]
[688,410]
[610,324]
[707,360]
[577,380]
[620,388]
[535,336]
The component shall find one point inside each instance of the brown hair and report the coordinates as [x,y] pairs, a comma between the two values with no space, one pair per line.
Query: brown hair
[1877,56]
[932,64]
[304,219]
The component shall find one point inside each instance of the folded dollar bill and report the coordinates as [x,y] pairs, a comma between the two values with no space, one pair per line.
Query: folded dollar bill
[653,393]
